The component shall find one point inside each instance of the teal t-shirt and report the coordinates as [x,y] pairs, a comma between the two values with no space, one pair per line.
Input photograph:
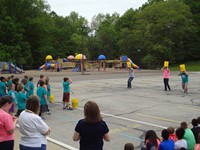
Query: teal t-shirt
[48,90]
[184,77]
[13,95]
[66,86]
[31,88]
[41,92]
[21,101]
[9,83]
[2,88]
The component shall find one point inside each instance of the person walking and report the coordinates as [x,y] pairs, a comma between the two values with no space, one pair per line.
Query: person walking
[166,74]
[131,77]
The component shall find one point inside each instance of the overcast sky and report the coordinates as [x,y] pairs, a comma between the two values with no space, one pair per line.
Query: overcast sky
[89,8]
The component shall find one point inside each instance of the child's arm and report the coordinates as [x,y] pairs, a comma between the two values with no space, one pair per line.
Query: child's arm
[70,80]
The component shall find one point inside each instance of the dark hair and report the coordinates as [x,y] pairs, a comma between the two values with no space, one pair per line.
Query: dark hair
[2,78]
[152,137]
[24,81]
[65,79]
[194,122]
[198,119]
[92,112]
[184,125]
[41,76]
[182,148]
[128,146]
[47,80]
[5,99]
[33,104]
[15,80]
[20,87]
[31,79]
[12,76]
[26,77]
[180,133]
[165,134]
[42,82]
[170,130]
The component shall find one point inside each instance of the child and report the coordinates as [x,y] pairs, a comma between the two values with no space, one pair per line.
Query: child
[172,134]
[128,146]
[131,77]
[21,99]
[184,76]
[66,93]
[31,86]
[3,90]
[12,93]
[41,78]
[48,93]
[26,86]
[166,73]
[42,93]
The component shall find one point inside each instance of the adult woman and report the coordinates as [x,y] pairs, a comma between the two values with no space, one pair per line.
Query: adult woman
[7,124]
[32,128]
[92,129]
[151,140]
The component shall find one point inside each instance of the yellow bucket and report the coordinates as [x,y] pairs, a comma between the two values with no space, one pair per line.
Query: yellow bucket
[182,67]
[74,103]
[51,98]
[166,63]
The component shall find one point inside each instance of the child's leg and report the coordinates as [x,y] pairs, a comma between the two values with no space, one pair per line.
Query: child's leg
[186,87]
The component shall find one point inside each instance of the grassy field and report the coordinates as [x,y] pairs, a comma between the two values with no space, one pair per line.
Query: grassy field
[190,66]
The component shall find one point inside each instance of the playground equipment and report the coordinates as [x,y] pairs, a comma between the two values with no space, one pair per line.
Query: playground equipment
[80,60]
[9,67]
[125,62]
[102,62]
[49,63]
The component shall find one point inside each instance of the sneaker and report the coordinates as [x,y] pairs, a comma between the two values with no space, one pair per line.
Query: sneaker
[69,108]
[48,113]
[64,108]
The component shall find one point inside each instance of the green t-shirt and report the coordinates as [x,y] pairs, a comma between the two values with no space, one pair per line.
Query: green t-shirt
[184,77]
[21,101]
[31,88]
[189,137]
[2,88]
[66,87]
[41,92]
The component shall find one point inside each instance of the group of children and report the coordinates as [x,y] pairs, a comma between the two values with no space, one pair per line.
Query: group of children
[20,91]
[183,138]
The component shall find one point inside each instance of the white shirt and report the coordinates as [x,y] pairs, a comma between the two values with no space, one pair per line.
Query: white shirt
[180,143]
[32,128]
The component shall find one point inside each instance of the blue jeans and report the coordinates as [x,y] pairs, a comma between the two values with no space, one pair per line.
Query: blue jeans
[22,147]
[129,82]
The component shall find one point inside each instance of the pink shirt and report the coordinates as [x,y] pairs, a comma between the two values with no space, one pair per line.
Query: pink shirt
[6,124]
[166,73]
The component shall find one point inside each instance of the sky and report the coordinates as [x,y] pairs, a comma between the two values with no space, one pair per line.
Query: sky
[89,8]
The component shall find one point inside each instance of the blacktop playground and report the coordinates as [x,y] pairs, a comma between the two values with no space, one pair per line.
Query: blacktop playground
[129,113]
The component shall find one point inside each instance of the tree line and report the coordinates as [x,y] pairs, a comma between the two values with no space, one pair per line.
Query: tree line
[159,30]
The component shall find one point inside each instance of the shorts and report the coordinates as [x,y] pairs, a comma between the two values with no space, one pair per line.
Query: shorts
[43,108]
[7,145]
[66,96]
[22,147]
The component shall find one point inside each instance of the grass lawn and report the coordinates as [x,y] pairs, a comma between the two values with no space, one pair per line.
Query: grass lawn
[190,66]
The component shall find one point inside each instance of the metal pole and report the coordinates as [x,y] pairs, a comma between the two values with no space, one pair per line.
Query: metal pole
[82,66]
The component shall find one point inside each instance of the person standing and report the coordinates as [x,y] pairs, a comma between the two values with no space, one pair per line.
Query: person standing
[184,76]
[3,89]
[32,128]
[66,93]
[131,77]
[7,124]
[92,129]
[166,74]
[42,93]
